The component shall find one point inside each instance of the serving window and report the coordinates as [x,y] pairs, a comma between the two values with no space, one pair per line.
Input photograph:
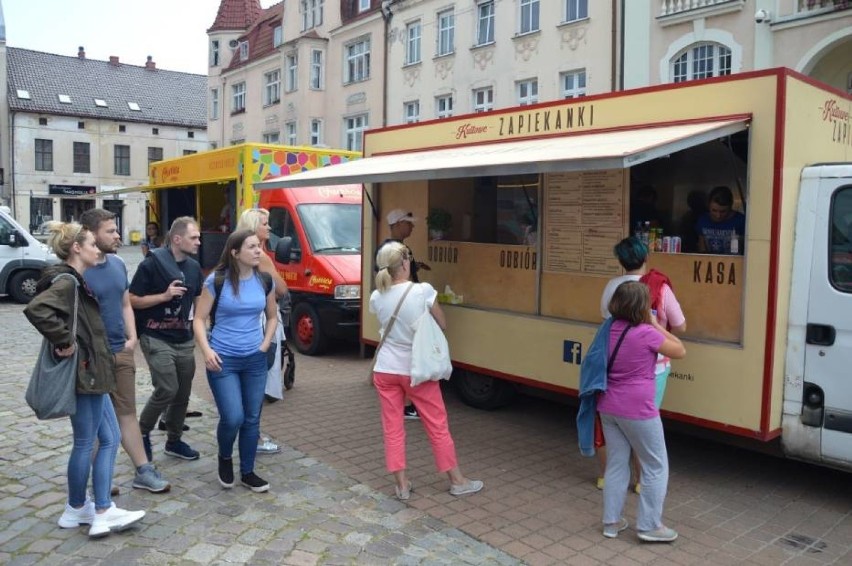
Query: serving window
[542,244]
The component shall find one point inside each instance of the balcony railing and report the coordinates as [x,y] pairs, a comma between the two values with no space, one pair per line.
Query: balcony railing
[671,7]
[806,6]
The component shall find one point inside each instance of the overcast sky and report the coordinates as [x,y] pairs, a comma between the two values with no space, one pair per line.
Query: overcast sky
[173,32]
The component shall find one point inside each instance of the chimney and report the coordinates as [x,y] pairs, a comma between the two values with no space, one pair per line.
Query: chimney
[150,64]
[81,52]
[113,60]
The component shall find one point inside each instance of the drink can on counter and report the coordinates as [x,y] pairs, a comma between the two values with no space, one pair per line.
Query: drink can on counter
[667,244]
[674,246]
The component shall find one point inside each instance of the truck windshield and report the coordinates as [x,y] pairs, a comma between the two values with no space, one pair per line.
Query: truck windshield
[332,228]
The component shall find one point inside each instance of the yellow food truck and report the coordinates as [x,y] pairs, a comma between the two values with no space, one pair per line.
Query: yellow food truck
[531,201]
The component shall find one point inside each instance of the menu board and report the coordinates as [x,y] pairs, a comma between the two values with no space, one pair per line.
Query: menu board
[583,220]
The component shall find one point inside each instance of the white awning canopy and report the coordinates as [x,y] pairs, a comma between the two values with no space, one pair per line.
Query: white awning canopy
[594,151]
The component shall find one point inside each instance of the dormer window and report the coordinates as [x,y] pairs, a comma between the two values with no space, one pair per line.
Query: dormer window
[64,98]
[134,106]
[244,51]
[100,102]
[363,5]
[277,36]
[23,94]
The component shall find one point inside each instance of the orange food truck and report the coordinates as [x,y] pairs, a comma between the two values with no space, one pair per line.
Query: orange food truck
[537,196]
[323,271]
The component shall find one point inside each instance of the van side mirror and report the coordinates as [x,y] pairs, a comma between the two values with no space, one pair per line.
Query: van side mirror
[284,252]
[10,239]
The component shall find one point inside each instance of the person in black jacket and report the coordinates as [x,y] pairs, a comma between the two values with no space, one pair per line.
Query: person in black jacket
[163,293]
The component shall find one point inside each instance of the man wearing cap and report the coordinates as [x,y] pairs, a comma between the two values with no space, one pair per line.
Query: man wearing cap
[401,225]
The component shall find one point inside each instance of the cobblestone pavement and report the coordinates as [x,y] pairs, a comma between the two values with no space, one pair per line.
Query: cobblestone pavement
[313,514]
[331,499]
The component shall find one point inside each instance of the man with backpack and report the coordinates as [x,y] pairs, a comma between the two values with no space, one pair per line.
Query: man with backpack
[163,293]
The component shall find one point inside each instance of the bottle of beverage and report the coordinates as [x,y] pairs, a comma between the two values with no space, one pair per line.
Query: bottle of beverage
[646,234]
[735,244]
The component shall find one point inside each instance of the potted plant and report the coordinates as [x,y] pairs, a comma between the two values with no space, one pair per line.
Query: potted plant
[438,221]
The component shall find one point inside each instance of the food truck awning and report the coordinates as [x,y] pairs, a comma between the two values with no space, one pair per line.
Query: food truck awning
[581,152]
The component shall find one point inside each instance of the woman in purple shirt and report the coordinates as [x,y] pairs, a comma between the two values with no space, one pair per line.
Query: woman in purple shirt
[629,415]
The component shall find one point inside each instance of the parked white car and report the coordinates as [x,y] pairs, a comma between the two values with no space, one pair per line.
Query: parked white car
[22,257]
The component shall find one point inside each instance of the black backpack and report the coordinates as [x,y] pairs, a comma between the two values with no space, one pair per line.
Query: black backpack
[219,282]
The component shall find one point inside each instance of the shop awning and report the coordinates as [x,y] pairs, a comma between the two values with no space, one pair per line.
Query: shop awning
[582,152]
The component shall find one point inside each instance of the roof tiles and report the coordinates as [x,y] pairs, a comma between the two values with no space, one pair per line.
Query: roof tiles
[260,36]
[164,97]
[236,15]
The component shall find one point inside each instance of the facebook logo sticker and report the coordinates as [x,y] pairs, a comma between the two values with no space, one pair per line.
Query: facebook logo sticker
[572,352]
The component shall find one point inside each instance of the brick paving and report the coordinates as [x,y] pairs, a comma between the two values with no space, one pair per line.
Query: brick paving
[332,502]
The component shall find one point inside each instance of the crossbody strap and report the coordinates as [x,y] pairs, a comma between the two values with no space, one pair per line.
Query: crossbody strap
[390,322]
[617,346]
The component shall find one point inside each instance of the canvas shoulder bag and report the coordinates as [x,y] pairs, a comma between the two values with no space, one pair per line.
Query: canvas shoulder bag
[52,391]
[430,352]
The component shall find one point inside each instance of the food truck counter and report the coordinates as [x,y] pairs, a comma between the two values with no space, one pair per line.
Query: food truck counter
[507,278]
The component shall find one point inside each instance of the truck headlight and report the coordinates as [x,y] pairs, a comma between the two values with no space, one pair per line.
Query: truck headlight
[347,292]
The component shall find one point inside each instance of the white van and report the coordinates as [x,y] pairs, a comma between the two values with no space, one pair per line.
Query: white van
[22,258]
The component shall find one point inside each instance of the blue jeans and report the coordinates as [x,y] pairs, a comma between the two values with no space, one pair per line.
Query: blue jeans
[95,418]
[238,391]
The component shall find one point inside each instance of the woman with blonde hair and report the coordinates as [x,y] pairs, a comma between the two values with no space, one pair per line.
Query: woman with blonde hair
[257,220]
[61,292]
[392,371]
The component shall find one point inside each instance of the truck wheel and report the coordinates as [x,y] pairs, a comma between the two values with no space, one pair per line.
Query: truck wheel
[483,391]
[306,332]
[22,285]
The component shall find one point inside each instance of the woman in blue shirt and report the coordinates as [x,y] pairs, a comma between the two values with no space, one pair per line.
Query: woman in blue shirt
[235,354]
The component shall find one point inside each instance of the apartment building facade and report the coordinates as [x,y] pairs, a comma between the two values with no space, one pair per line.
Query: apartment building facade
[455,58]
[301,72]
[678,40]
[321,72]
[79,127]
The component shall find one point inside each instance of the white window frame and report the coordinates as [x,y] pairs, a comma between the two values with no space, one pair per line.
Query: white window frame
[720,58]
[238,96]
[353,131]
[573,83]
[214,53]
[244,51]
[272,138]
[272,87]
[413,42]
[527,91]
[446,33]
[316,131]
[482,99]
[356,60]
[363,5]
[311,11]
[290,132]
[485,22]
[277,36]
[291,71]
[529,16]
[444,106]
[576,10]
[317,69]
[411,112]
[214,103]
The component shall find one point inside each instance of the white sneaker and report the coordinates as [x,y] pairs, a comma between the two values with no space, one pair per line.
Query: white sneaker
[470,486]
[113,520]
[73,518]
